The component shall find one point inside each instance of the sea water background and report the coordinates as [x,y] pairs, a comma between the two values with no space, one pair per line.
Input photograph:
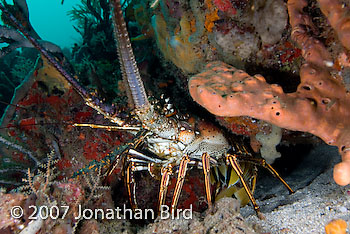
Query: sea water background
[50,20]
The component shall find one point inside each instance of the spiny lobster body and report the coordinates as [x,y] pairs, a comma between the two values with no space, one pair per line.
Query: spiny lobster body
[175,142]
[169,140]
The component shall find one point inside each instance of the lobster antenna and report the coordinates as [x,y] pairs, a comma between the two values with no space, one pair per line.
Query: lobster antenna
[92,101]
[127,59]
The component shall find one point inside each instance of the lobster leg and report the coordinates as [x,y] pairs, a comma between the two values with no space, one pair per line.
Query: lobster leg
[108,127]
[131,185]
[180,181]
[206,171]
[136,142]
[232,159]
[134,165]
[262,162]
[166,172]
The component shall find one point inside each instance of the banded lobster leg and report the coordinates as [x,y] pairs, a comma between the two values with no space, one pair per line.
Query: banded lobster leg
[233,159]
[181,179]
[262,162]
[138,164]
[206,171]
[166,173]
[138,139]
[131,184]
[137,161]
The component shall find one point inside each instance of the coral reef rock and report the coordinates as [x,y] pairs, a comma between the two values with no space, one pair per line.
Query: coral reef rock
[226,219]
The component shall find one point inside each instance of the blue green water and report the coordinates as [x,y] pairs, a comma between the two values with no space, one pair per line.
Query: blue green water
[50,20]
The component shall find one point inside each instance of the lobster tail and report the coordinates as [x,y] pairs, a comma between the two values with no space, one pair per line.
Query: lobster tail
[127,59]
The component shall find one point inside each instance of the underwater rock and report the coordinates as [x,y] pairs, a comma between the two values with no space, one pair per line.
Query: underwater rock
[226,219]
[236,45]
[270,20]
[175,46]
[317,197]
[7,202]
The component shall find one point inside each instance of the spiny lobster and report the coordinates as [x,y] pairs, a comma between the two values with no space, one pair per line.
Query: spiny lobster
[174,143]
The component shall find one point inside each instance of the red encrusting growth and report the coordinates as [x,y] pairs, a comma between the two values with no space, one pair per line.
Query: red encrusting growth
[28,124]
[81,117]
[225,6]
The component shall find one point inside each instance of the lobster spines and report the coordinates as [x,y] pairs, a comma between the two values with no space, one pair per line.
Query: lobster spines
[150,119]
[127,60]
